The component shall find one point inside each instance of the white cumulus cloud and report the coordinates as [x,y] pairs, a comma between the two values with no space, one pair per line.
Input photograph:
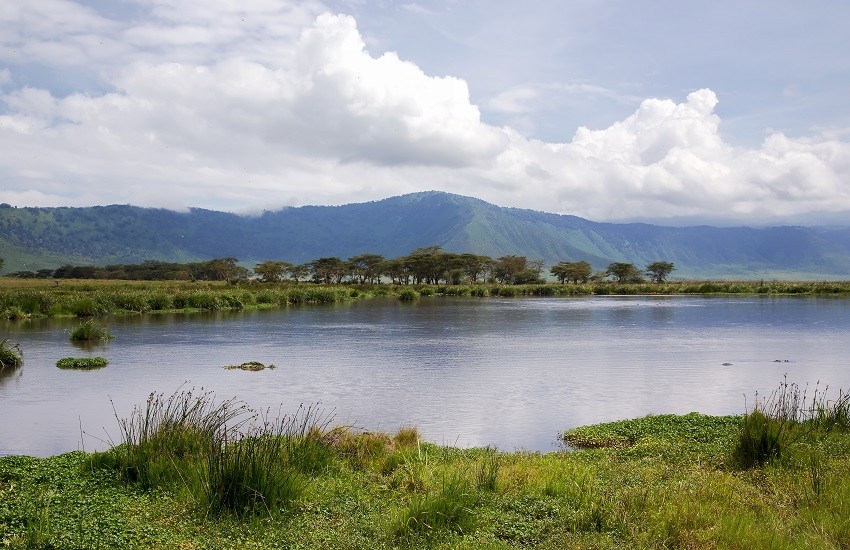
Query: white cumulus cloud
[196,112]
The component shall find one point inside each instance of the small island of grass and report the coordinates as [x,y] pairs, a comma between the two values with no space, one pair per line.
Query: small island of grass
[252,366]
[82,363]
[11,356]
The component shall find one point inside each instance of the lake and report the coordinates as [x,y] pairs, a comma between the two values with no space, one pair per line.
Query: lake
[470,372]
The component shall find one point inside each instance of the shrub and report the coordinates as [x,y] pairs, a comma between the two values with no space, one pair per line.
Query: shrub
[82,363]
[90,330]
[761,440]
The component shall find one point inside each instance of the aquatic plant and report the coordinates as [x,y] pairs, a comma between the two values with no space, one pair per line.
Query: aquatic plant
[408,295]
[252,366]
[11,355]
[82,363]
[90,330]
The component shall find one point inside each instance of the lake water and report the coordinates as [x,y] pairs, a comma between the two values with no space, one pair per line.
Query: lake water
[471,372]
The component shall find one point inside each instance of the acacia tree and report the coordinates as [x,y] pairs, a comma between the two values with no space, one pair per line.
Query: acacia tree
[1,263]
[329,270]
[623,272]
[507,267]
[366,267]
[272,271]
[574,271]
[658,271]
[298,272]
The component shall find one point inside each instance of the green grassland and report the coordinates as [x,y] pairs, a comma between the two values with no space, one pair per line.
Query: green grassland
[692,481]
[24,298]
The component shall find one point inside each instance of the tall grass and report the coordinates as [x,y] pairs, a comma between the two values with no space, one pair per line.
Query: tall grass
[229,458]
[90,330]
[787,416]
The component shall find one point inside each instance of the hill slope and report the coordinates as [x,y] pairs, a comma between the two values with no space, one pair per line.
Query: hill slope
[31,238]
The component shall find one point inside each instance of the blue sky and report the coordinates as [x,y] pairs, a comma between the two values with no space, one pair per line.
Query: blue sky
[671,112]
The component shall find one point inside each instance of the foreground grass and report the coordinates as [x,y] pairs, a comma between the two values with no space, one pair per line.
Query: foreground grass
[656,482]
[24,298]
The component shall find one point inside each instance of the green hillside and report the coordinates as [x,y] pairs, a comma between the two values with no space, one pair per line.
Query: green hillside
[32,238]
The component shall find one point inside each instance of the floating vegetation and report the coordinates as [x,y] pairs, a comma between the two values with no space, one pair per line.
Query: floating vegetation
[90,331]
[252,366]
[11,355]
[82,363]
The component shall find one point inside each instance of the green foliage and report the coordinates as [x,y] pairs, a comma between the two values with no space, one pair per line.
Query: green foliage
[90,330]
[658,271]
[408,295]
[449,508]
[11,355]
[82,363]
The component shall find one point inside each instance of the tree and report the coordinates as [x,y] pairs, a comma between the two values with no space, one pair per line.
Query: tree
[1,263]
[507,268]
[367,267]
[658,271]
[329,270]
[298,272]
[272,271]
[623,272]
[573,271]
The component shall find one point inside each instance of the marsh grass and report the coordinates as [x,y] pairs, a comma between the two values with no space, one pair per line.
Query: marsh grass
[90,330]
[225,456]
[785,419]
[82,363]
[11,356]
[409,295]
[450,507]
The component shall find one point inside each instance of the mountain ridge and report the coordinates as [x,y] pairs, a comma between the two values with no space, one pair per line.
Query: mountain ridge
[396,225]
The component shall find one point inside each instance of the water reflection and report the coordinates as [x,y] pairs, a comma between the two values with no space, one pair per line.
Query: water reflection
[506,372]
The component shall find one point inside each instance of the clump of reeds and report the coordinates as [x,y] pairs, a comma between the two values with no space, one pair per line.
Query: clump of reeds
[408,295]
[228,457]
[11,355]
[90,330]
[82,363]
[785,417]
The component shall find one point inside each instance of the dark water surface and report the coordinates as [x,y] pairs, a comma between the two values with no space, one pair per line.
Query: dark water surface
[507,372]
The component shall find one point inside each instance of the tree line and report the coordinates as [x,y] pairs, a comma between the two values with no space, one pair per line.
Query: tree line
[428,265]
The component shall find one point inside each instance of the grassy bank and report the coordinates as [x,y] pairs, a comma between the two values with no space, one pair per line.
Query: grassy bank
[23,298]
[664,481]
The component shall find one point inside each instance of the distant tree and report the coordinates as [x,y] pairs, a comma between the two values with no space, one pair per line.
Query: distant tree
[272,271]
[298,272]
[475,267]
[658,271]
[44,273]
[366,267]
[623,272]
[573,271]
[1,263]
[507,267]
[329,270]
[397,270]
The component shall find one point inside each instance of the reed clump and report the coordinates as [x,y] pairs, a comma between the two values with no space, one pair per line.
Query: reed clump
[90,330]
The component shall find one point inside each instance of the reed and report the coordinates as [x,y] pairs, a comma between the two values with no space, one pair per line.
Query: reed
[90,330]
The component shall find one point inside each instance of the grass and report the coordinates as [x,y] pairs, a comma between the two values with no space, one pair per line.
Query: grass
[11,356]
[192,472]
[90,330]
[33,298]
[82,363]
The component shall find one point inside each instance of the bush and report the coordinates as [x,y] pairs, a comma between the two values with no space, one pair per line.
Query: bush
[761,440]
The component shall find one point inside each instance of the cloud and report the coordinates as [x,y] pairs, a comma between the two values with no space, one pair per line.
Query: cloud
[197,112]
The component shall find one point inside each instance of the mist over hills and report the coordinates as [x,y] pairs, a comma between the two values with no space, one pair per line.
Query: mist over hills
[33,238]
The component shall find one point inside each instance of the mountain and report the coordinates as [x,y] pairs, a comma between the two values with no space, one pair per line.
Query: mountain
[32,238]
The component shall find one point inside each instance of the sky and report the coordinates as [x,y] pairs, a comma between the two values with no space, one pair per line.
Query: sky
[732,112]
